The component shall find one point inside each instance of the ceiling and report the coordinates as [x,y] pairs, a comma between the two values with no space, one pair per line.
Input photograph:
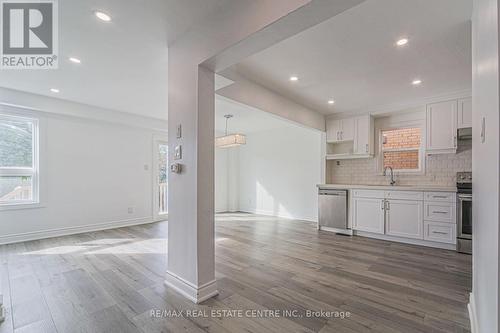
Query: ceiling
[352,58]
[246,119]
[124,62]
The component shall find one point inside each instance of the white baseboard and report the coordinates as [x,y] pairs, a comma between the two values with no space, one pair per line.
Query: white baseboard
[272,213]
[472,314]
[34,235]
[195,294]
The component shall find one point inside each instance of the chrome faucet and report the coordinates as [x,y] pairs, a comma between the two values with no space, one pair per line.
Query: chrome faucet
[392,174]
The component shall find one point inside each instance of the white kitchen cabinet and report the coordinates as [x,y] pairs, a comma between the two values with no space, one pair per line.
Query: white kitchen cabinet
[363,135]
[333,128]
[440,196]
[340,130]
[440,211]
[368,215]
[464,115]
[404,218]
[350,138]
[441,134]
[417,216]
[347,131]
[440,232]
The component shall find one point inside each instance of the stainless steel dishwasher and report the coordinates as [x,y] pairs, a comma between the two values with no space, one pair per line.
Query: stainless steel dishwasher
[333,211]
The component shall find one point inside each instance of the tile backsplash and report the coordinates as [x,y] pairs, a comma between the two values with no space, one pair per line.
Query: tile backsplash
[440,170]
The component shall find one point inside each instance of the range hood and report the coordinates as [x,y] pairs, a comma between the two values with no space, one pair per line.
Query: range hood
[465,133]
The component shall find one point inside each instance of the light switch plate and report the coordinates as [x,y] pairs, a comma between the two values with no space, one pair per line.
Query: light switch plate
[179,131]
[178,152]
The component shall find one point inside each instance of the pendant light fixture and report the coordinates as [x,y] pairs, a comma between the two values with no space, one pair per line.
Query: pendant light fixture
[230,140]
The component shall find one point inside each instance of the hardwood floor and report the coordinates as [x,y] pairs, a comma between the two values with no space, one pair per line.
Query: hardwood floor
[110,281]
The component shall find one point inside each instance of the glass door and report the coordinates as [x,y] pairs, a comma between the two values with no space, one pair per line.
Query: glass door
[162,179]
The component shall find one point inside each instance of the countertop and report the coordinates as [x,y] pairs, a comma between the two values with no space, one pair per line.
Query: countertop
[425,188]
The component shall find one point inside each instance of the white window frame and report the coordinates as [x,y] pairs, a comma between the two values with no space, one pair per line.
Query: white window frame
[157,138]
[33,172]
[421,150]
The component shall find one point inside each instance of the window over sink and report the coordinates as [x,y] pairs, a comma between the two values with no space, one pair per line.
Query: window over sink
[401,149]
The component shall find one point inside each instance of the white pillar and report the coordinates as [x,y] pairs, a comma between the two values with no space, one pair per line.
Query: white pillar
[191,266]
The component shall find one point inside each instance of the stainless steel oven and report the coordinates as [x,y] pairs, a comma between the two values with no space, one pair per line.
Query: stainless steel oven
[464,212]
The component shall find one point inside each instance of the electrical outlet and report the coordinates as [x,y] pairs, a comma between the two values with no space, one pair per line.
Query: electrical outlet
[131,210]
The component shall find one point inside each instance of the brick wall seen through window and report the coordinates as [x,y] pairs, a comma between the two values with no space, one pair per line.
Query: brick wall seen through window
[401,148]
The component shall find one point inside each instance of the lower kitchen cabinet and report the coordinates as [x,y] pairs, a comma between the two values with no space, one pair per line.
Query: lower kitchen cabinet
[440,232]
[404,218]
[368,215]
[417,217]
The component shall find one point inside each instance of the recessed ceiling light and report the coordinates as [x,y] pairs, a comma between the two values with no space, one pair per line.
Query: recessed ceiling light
[402,41]
[416,82]
[54,90]
[331,102]
[75,60]
[102,16]
[294,78]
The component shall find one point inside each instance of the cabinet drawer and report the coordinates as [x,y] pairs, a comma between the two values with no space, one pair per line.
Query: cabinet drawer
[440,232]
[440,196]
[439,211]
[404,195]
[368,194]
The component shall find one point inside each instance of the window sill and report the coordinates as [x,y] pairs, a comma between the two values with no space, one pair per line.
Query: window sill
[17,206]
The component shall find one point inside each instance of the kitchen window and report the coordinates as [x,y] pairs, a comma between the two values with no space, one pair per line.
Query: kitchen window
[402,149]
[18,161]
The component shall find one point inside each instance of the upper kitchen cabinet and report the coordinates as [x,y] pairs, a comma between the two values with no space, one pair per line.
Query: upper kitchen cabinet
[347,132]
[441,136]
[339,130]
[350,138]
[333,129]
[464,119]
[363,135]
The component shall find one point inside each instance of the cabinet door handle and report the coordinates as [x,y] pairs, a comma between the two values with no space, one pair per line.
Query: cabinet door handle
[440,232]
[366,148]
[383,205]
[439,212]
[388,205]
[439,196]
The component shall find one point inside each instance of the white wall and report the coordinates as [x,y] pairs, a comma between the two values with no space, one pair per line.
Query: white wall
[93,172]
[485,169]
[277,172]
[221,180]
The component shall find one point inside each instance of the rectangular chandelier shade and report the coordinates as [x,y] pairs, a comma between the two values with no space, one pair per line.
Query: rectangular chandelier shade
[231,140]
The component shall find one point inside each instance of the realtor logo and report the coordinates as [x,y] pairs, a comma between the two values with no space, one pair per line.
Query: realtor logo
[29,34]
